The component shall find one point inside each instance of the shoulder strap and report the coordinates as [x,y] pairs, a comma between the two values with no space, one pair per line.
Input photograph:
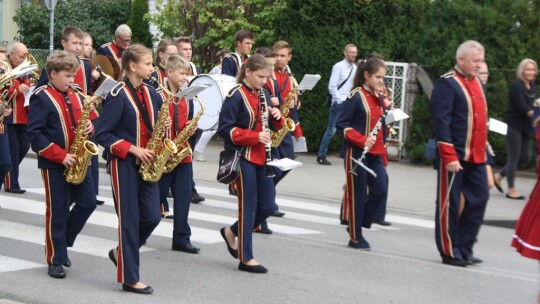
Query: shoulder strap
[341,84]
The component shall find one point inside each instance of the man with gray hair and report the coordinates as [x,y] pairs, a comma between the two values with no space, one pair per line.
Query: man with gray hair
[459,119]
[122,39]
[339,85]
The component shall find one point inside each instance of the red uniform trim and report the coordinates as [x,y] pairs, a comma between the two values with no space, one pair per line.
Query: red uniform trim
[54,153]
[349,188]
[444,210]
[7,181]
[120,148]
[240,194]
[49,245]
[115,181]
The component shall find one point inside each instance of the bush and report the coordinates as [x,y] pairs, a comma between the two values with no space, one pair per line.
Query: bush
[140,27]
[97,17]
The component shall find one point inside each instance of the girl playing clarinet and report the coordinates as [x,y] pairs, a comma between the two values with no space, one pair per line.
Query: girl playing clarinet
[364,141]
[244,123]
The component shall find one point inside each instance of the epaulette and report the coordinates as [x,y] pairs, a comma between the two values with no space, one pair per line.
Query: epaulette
[449,74]
[117,88]
[105,45]
[82,58]
[39,89]
[354,91]
[234,89]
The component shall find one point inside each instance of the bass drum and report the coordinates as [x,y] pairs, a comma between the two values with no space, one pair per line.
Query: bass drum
[218,88]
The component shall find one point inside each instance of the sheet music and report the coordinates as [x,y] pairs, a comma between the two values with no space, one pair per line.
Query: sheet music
[497,126]
[299,144]
[395,115]
[23,70]
[192,91]
[105,88]
[284,164]
[27,95]
[308,82]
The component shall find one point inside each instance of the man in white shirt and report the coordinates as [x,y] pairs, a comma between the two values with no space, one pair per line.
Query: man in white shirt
[340,84]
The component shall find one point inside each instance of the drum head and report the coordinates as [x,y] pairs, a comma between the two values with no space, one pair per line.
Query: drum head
[212,98]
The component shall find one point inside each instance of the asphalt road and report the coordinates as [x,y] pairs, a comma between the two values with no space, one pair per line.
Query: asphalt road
[307,258]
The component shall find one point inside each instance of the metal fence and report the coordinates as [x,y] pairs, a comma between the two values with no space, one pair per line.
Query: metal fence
[40,55]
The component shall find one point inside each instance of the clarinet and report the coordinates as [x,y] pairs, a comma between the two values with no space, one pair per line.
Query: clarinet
[266,129]
[373,134]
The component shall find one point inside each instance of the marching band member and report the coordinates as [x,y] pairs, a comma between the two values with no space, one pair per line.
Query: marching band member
[178,180]
[122,39]
[125,127]
[5,160]
[72,39]
[165,49]
[283,75]
[54,113]
[185,50]
[362,110]
[232,62]
[87,46]
[459,118]
[17,121]
[241,125]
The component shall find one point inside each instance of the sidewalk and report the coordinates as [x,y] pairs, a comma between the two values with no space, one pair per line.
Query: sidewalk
[411,189]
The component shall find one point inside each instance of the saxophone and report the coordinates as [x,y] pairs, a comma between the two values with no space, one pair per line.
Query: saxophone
[278,136]
[182,138]
[82,148]
[163,149]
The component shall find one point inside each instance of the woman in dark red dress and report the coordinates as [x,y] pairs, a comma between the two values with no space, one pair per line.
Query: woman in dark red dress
[527,236]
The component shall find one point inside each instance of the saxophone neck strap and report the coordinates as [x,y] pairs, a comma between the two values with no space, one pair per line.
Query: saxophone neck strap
[142,110]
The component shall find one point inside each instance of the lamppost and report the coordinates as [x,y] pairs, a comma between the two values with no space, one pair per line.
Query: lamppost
[50,5]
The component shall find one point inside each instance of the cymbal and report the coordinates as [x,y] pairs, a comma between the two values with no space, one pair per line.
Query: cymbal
[107,64]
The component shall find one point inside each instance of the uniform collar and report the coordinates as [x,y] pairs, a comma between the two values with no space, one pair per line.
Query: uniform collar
[249,87]
[460,72]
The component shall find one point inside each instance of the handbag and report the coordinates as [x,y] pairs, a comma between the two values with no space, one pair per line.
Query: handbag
[329,98]
[229,165]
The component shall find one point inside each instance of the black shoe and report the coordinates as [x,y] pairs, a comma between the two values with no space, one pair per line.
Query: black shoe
[264,230]
[186,248]
[454,262]
[361,245]
[231,191]
[278,213]
[473,260]
[232,252]
[168,216]
[111,256]
[346,223]
[146,290]
[57,271]
[321,160]
[252,268]
[383,223]
[67,263]
[196,198]
[100,202]
[16,191]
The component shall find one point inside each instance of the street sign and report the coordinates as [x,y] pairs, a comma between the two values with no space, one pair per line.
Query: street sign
[50,4]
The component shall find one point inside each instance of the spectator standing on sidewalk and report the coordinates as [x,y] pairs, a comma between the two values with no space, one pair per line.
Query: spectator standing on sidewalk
[341,81]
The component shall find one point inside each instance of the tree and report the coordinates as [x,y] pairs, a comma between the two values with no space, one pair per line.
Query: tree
[138,22]
[213,23]
[97,17]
